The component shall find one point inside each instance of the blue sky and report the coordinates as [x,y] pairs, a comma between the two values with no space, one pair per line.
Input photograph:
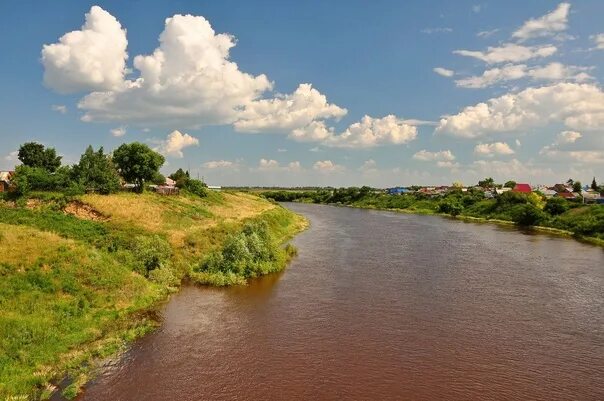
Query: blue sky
[313,93]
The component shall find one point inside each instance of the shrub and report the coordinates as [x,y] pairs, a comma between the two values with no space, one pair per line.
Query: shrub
[556,206]
[451,207]
[152,252]
[196,187]
[527,215]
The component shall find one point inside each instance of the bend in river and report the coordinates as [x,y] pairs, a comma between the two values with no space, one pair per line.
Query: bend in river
[386,306]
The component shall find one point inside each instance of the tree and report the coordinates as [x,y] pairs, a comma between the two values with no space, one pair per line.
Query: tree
[570,182]
[96,172]
[556,206]
[577,186]
[33,154]
[594,184]
[510,184]
[487,183]
[180,177]
[527,215]
[137,163]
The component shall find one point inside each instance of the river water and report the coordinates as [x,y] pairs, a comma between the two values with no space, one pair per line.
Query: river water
[385,306]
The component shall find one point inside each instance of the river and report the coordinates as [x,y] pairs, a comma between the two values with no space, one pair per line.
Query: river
[384,306]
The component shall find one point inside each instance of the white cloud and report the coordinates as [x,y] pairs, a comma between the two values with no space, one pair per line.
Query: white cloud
[509,72]
[59,108]
[12,156]
[509,52]
[443,155]
[488,33]
[447,164]
[369,167]
[266,164]
[93,58]
[188,79]
[119,131]
[369,132]
[443,72]
[288,112]
[563,140]
[175,142]
[281,150]
[430,31]
[554,22]
[327,166]
[509,170]
[598,40]
[488,149]
[578,106]
[568,137]
[219,164]
[518,144]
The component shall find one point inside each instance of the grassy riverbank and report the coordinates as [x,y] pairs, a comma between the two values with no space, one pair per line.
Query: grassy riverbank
[555,215]
[81,276]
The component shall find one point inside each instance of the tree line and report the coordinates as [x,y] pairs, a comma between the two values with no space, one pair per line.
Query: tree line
[97,171]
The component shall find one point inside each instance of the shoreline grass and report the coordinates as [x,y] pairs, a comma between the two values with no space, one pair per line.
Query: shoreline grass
[76,289]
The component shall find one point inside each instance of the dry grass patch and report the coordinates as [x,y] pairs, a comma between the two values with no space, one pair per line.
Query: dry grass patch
[21,246]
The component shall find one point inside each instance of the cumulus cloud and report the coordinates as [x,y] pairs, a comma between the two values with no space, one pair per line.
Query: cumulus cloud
[369,167]
[443,71]
[598,40]
[119,131]
[327,166]
[274,165]
[554,22]
[509,72]
[489,149]
[368,132]
[288,112]
[578,106]
[12,156]
[188,78]
[219,164]
[561,144]
[509,52]
[175,142]
[59,108]
[93,58]
[443,155]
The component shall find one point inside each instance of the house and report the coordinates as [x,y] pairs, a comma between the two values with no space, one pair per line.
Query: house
[214,187]
[566,195]
[398,191]
[549,192]
[522,188]
[5,179]
[499,191]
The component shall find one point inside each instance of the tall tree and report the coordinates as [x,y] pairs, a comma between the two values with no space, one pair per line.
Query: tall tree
[577,186]
[487,183]
[137,163]
[96,172]
[594,184]
[33,154]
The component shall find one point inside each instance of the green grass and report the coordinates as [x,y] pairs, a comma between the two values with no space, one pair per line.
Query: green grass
[74,289]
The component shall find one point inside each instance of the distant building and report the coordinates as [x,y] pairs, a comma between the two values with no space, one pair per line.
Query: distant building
[5,180]
[398,191]
[215,187]
[522,188]
[499,191]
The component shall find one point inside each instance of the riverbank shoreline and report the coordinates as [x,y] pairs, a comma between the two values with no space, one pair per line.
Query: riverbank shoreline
[472,219]
[89,267]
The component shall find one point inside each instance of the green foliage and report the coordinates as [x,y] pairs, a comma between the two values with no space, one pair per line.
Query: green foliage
[196,187]
[577,186]
[556,206]
[527,215]
[33,154]
[151,252]
[96,172]
[137,163]
[181,177]
[594,184]
[487,183]
[28,179]
[451,207]
[509,184]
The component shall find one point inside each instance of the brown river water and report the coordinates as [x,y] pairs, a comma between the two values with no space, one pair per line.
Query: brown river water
[384,306]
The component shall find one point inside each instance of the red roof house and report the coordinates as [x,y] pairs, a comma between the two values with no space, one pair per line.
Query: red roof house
[524,188]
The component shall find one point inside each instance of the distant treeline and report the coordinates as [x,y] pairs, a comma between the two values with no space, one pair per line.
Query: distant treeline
[523,209]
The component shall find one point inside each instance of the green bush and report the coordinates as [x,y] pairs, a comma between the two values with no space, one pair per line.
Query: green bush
[152,252]
[556,206]
[527,215]
[196,187]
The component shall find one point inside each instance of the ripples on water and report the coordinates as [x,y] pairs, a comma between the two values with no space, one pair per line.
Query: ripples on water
[385,306]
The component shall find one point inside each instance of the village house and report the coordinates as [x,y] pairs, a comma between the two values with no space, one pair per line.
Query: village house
[522,188]
[5,180]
